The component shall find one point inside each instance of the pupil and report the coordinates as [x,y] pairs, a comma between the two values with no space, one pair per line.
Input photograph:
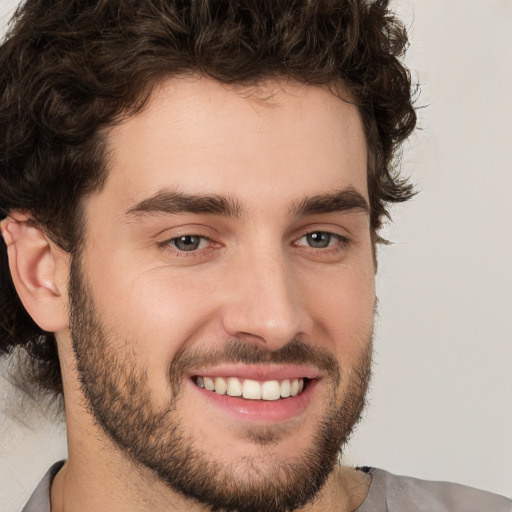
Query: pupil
[319,239]
[187,243]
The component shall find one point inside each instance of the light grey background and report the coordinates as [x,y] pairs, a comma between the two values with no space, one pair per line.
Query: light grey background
[441,396]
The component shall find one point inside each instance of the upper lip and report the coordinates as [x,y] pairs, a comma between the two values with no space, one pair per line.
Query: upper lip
[258,372]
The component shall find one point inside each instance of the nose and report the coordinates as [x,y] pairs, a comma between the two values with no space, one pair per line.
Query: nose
[265,303]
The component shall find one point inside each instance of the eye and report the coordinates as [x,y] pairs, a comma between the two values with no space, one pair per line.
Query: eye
[320,239]
[188,243]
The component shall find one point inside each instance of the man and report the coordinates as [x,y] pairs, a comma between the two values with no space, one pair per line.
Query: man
[191,198]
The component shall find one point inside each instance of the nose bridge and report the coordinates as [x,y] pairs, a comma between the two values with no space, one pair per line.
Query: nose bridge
[265,302]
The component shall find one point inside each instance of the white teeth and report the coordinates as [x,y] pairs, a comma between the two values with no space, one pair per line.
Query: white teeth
[234,387]
[285,388]
[271,390]
[252,389]
[209,384]
[294,388]
[220,386]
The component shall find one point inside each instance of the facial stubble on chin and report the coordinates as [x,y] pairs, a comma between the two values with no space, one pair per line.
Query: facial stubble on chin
[119,398]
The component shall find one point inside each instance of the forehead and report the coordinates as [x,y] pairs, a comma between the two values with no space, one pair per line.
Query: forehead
[278,141]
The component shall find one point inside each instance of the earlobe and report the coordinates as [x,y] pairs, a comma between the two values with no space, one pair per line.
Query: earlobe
[38,271]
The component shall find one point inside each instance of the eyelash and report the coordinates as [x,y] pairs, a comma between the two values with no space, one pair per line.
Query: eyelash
[167,245]
[340,245]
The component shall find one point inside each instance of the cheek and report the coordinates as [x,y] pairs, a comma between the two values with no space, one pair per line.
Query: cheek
[152,313]
[343,310]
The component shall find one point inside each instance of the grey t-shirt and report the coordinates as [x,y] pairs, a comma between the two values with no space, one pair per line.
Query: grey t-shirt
[388,493]
[392,493]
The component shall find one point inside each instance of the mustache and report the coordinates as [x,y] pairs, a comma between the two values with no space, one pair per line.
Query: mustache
[237,351]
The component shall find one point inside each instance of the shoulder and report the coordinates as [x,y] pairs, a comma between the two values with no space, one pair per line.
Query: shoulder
[40,499]
[392,493]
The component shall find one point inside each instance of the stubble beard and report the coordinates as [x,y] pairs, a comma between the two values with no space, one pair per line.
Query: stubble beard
[119,398]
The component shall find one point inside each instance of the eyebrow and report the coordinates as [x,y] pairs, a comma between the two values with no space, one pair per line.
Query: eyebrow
[170,202]
[167,202]
[348,199]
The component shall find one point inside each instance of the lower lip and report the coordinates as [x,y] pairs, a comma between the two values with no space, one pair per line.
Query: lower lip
[263,411]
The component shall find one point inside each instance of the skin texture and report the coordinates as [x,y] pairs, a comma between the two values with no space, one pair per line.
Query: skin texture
[255,282]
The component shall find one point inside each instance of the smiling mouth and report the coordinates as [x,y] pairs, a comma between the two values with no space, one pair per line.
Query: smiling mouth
[252,389]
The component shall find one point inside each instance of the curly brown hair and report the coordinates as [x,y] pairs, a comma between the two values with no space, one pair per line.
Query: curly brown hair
[69,69]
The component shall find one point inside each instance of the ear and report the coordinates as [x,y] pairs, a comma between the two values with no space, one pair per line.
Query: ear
[39,271]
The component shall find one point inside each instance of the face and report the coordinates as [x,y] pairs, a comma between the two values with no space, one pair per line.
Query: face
[222,306]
